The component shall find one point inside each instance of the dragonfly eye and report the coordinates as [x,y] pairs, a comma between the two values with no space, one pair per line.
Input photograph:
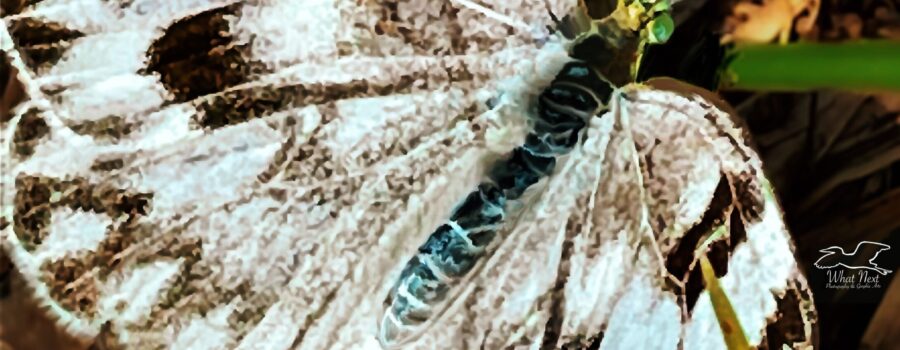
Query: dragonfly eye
[660,29]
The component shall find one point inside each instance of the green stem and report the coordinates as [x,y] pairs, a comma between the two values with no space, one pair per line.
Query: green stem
[862,65]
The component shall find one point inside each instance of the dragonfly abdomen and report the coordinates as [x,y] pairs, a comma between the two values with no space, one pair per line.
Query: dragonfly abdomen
[450,252]
[453,250]
[576,94]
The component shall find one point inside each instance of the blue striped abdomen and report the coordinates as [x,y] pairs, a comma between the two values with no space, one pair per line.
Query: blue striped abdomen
[454,249]
[449,254]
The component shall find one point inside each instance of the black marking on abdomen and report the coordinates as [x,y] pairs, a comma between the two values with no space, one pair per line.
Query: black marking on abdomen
[520,171]
[565,94]
[455,247]
[581,74]
[418,288]
[482,207]
[422,283]
[451,251]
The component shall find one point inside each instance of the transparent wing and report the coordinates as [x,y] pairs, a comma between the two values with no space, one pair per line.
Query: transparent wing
[234,190]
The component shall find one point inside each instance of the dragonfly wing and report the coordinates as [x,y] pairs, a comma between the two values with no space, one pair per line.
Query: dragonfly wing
[237,204]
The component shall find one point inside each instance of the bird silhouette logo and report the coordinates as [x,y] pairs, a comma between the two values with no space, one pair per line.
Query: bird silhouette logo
[865,251]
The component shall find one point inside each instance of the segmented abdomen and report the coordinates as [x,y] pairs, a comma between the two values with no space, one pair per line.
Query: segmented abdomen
[576,94]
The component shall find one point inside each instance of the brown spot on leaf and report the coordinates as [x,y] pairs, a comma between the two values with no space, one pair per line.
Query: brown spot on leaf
[108,165]
[681,262]
[29,131]
[238,106]
[196,55]
[41,42]
[678,261]
[750,199]
[789,325]
[32,211]
[738,232]
[44,54]
[107,128]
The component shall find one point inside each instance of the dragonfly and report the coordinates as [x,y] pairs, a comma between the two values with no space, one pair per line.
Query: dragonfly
[231,174]
[575,95]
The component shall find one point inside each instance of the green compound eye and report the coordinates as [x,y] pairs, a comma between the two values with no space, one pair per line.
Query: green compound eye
[660,28]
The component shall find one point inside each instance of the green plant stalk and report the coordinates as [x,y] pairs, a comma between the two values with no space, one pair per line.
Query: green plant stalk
[861,65]
[732,332]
